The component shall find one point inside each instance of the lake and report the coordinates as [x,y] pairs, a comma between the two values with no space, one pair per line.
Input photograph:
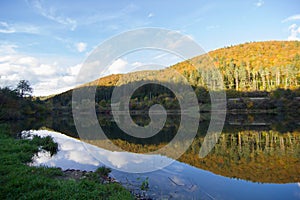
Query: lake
[256,157]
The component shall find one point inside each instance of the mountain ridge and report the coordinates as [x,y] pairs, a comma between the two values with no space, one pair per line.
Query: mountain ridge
[248,67]
[259,57]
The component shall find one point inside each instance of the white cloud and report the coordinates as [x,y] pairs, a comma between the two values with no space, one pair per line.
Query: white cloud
[89,72]
[294,32]
[150,15]
[27,61]
[292,18]
[51,14]
[294,29]
[45,70]
[259,3]
[74,70]
[117,159]
[137,64]
[80,156]
[4,28]
[293,26]
[18,28]
[81,46]
[46,78]
[118,66]
[8,49]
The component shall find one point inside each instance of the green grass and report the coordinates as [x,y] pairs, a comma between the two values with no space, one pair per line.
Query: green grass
[20,181]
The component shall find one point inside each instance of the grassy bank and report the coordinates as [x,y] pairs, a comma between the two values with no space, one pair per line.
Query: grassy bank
[20,181]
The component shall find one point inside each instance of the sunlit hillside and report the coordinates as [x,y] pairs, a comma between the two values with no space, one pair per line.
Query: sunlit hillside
[245,67]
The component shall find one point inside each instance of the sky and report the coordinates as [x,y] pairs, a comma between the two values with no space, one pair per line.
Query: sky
[46,42]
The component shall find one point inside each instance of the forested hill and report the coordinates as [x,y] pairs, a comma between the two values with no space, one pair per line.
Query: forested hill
[268,54]
[255,66]
[259,69]
[252,66]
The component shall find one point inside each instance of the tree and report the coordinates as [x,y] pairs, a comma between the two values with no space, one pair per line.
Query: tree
[24,88]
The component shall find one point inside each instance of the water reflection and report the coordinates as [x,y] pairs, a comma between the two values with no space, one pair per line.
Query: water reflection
[256,150]
[73,153]
[252,148]
[177,181]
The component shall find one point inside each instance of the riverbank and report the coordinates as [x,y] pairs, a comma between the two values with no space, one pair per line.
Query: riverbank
[19,181]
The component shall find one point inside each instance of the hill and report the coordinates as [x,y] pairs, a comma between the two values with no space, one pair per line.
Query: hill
[257,69]
[255,66]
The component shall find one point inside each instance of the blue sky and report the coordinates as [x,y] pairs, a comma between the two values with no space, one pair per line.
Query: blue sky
[45,42]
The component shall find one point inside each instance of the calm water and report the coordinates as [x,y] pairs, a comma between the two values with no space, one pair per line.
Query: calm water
[256,157]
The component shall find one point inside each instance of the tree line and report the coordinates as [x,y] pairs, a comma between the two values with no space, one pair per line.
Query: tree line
[258,66]
[17,103]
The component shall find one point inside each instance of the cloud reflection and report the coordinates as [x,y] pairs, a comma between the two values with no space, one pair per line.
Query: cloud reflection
[73,154]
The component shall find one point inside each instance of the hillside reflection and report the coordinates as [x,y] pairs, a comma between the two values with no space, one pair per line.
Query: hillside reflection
[258,148]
